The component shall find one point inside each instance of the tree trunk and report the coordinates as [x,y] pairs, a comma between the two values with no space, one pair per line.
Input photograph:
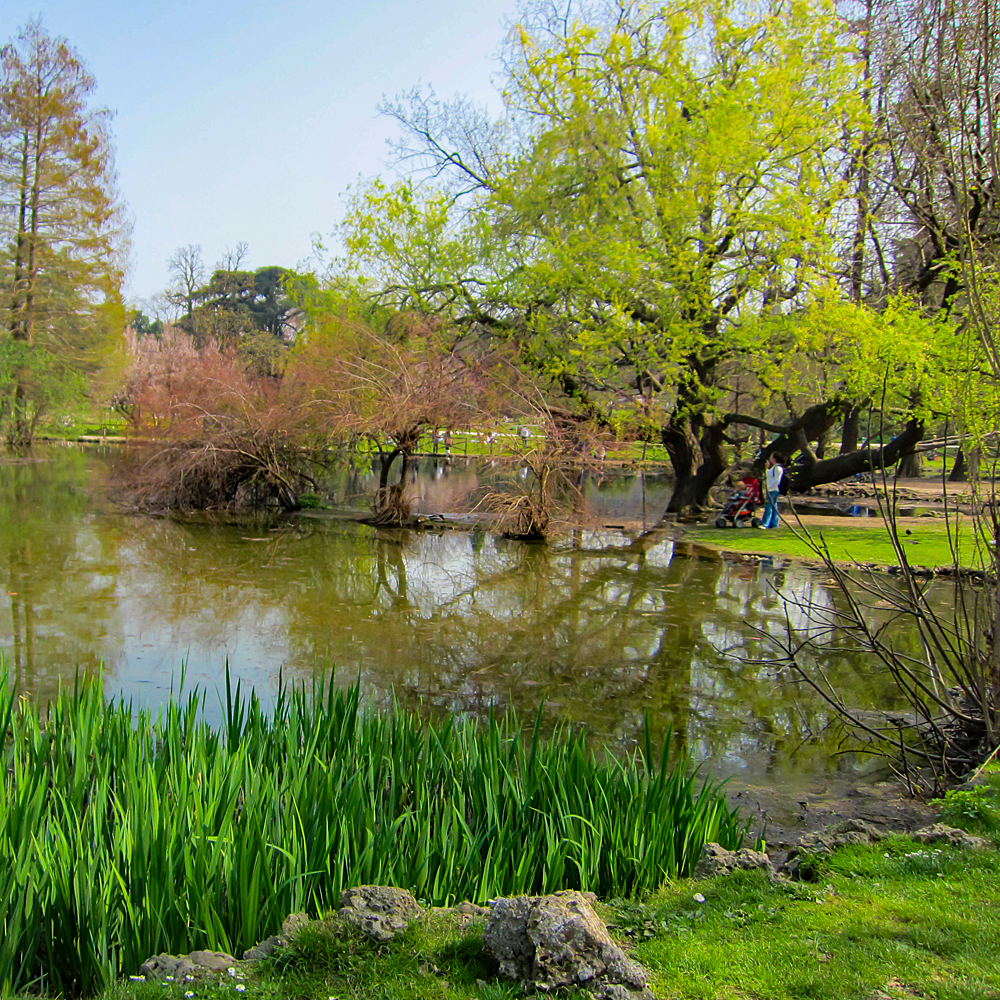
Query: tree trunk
[698,458]
[849,434]
[909,465]
[805,477]
[811,426]
[958,473]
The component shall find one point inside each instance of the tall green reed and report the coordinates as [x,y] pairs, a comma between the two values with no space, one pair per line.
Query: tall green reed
[127,833]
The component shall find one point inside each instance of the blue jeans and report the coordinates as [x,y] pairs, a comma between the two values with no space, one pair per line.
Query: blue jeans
[770,510]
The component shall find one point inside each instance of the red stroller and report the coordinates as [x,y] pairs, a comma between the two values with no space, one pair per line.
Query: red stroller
[741,508]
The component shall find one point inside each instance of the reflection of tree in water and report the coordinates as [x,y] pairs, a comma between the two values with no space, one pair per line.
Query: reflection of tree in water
[604,636]
[603,630]
[48,625]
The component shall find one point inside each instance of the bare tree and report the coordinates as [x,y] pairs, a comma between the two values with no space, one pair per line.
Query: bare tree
[233,257]
[187,270]
[387,389]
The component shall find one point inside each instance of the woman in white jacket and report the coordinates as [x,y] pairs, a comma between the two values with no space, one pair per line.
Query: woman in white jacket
[772,489]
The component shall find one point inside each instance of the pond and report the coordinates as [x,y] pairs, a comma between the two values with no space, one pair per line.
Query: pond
[600,629]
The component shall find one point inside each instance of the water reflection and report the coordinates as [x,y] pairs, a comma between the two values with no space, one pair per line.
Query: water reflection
[604,630]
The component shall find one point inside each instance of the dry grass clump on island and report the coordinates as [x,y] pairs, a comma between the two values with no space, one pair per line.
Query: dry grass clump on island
[127,834]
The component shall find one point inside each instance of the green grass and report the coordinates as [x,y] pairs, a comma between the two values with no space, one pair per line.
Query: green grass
[896,920]
[126,835]
[926,545]
[895,913]
[977,809]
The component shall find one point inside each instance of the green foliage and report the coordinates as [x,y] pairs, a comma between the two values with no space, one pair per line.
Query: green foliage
[126,834]
[659,194]
[976,810]
[312,501]
[51,387]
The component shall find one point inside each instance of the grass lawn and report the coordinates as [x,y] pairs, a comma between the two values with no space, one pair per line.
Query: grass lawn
[899,920]
[862,540]
[896,921]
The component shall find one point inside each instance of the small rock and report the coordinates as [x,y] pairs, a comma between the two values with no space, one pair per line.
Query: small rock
[716,860]
[472,910]
[265,949]
[293,923]
[938,833]
[197,965]
[380,911]
[851,831]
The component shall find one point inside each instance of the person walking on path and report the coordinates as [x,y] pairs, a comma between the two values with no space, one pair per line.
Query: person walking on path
[772,489]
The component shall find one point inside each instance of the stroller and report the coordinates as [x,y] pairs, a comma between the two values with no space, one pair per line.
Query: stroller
[741,508]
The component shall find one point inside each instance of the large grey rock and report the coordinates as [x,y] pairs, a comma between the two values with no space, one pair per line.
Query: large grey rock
[938,833]
[180,968]
[549,942]
[716,860]
[380,911]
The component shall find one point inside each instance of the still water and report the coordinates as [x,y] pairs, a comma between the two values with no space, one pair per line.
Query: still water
[600,629]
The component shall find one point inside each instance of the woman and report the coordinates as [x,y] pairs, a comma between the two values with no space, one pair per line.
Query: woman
[772,489]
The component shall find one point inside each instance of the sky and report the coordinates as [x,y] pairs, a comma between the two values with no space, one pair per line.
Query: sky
[250,120]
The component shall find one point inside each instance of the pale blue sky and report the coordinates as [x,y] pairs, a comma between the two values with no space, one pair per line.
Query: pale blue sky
[247,121]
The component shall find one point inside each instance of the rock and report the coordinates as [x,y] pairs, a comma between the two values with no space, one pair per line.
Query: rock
[938,833]
[825,842]
[468,909]
[851,831]
[265,948]
[716,860]
[197,965]
[548,942]
[291,925]
[380,911]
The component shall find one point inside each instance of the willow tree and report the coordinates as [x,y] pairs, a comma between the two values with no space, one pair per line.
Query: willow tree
[62,225]
[660,189]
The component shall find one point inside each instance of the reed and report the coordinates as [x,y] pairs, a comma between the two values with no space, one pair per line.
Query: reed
[126,833]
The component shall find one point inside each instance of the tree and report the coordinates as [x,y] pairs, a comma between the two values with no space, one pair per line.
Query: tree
[187,271]
[255,313]
[386,387]
[63,227]
[658,203]
[213,434]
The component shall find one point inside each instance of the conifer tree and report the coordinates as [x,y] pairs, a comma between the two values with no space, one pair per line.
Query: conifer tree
[63,230]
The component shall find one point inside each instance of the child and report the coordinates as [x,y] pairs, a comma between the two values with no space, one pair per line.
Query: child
[772,489]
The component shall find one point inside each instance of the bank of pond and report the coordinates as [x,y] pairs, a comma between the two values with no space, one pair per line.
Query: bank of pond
[129,832]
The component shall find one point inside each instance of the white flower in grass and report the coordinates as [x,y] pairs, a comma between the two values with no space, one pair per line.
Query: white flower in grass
[188,993]
[137,979]
[240,987]
[699,898]
[231,970]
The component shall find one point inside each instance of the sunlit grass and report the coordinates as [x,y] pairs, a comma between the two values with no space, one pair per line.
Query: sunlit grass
[124,835]
[896,920]
[926,541]
[899,920]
